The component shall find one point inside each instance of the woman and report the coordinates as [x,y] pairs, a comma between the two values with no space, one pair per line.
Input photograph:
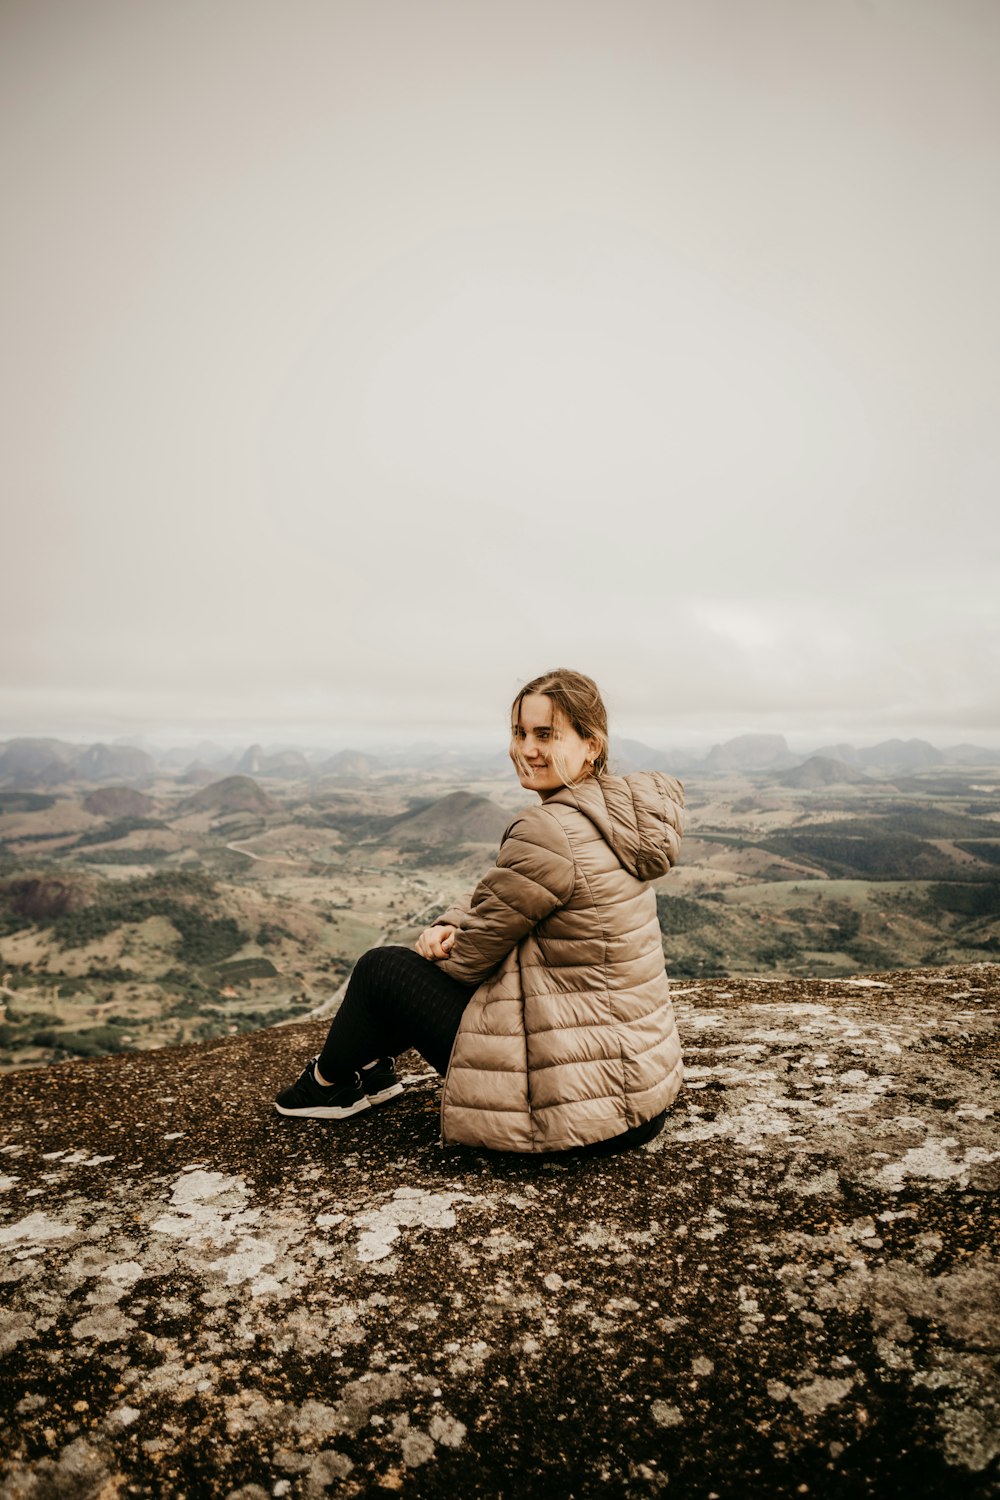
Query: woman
[543,999]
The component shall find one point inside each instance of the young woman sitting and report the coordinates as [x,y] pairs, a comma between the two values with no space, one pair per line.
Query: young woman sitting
[543,999]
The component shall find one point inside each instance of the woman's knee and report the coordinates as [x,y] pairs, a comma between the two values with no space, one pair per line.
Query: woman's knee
[389,958]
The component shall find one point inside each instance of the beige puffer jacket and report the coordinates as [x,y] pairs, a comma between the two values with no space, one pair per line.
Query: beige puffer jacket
[570,1037]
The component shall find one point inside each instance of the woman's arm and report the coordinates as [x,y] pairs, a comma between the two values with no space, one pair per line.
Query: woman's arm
[456,916]
[535,872]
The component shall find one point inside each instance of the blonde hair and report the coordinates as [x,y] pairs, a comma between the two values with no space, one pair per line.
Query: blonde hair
[579,702]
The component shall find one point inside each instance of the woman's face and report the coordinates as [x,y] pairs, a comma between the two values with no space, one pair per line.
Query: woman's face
[540,727]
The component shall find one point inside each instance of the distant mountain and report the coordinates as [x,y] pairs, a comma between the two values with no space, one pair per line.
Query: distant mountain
[462,761]
[972,755]
[911,755]
[36,762]
[749,752]
[843,752]
[251,762]
[428,756]
[206,753]
[415,753]
[819,771]
[231,794]
[119,802]
[632,755]
[288,763]
[40,898]
[901,755]
[348,763]
[109,762]
[198,774]
[459,818]
[46,762]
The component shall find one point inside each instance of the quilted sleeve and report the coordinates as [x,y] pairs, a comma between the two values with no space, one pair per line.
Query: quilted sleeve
[534,873]
[457,915]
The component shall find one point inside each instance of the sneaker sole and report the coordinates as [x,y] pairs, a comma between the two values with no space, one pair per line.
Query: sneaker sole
[384,1095]
[327,1111]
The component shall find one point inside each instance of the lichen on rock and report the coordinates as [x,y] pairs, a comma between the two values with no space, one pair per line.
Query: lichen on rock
[204,1299]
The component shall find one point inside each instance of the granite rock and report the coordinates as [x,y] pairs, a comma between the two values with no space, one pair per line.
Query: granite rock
[792,1291]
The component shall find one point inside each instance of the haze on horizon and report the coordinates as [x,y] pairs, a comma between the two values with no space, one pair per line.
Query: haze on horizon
[361,361]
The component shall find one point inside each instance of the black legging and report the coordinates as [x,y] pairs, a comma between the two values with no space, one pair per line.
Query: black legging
[395,999]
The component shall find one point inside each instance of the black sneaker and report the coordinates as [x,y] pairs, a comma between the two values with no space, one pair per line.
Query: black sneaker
[380,1082]
[314,1101]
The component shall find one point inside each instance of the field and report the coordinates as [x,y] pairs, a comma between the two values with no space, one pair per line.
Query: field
[246,904]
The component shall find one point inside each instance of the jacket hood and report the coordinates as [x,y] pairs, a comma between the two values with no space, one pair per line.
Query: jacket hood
[639,816]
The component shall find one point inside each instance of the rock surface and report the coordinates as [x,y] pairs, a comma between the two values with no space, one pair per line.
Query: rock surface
[790,1292]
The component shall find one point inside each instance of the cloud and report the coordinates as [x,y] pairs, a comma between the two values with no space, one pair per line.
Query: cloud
[348,394]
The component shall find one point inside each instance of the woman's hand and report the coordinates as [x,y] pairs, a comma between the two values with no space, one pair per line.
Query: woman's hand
[435,942]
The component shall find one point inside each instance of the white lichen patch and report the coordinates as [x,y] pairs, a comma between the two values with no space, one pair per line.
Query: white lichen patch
[37,1229]
[408,1208]
[933,1162]
[123,1416]
[730,1076]
[447,1430]
[816,1186]
[123,1272]
[359,1401]
[467,1359]
[246,1262]
[603,1236]
[93,1260]
[210,1212]
[15,1328]
[750,1125]
[106,1325]
[862,1093]
[207,1208]
[416,1447]
[969,1409]
[814,1398]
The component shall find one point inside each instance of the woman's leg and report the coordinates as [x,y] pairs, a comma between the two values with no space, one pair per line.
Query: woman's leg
[394,1000]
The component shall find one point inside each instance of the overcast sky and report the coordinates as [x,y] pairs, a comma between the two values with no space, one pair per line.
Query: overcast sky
[361,360]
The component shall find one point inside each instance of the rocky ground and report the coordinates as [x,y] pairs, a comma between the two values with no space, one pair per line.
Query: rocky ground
[791,1292]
